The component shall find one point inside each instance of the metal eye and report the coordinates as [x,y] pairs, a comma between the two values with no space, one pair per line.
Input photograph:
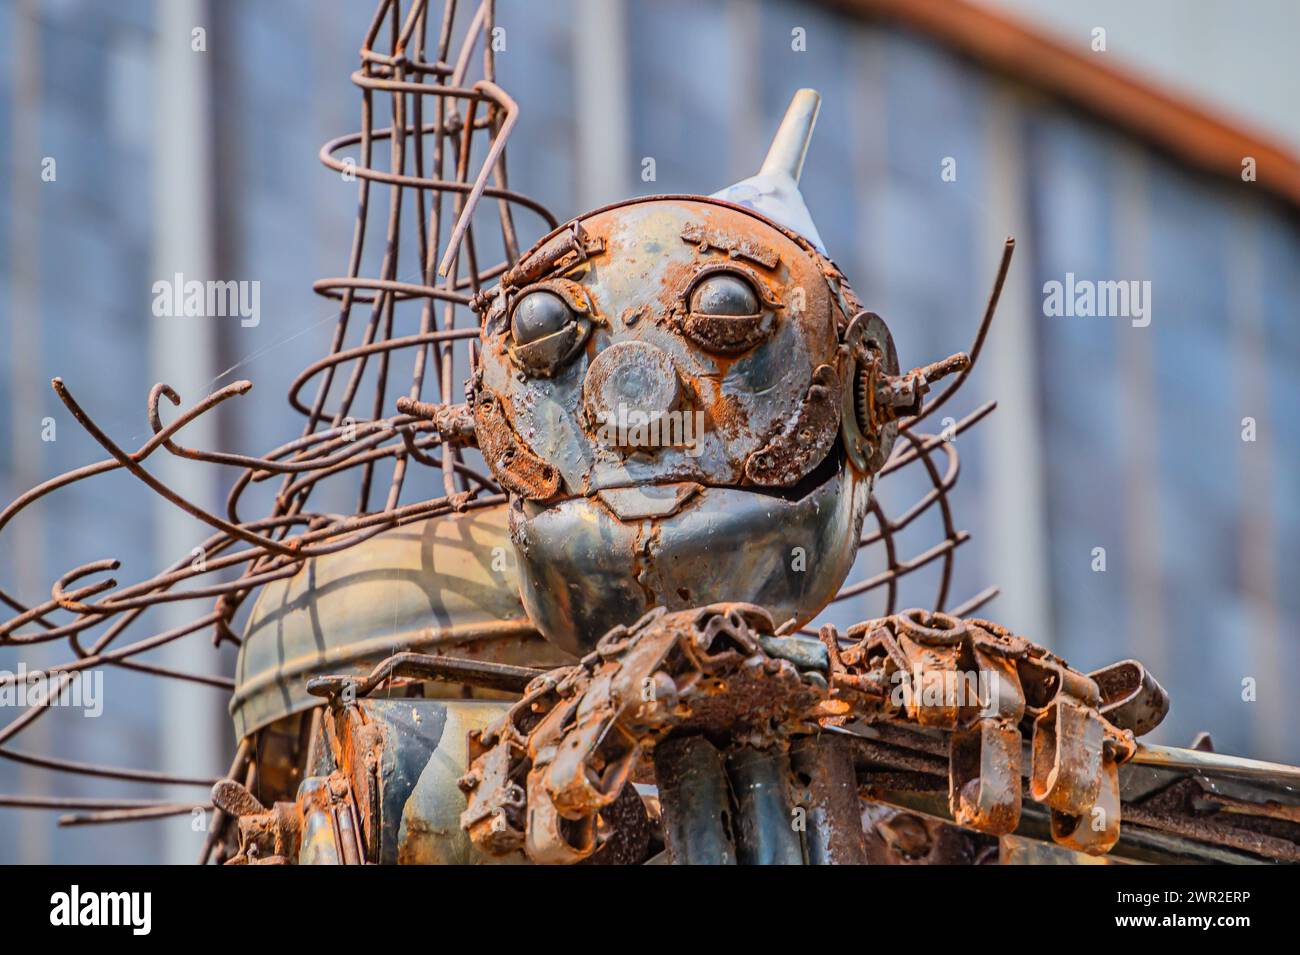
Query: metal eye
[537,315]
[547,328]
[725,315]
[724,294]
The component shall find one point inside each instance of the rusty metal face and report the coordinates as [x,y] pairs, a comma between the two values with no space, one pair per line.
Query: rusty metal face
[678,305]
[660,382]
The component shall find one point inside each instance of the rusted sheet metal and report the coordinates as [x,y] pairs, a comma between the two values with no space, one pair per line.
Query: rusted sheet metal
[384,791]
[736,245]
[704,347]
[566,246]
[806,437]
[713,363]
[641,292]
[519,470]
[585,570]
[899,837]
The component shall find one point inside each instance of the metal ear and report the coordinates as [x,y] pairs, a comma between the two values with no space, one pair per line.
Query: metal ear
[869,356]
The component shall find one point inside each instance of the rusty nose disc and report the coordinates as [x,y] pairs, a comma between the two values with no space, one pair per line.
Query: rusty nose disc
[629,378]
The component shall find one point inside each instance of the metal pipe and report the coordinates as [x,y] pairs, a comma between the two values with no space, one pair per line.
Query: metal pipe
[694,801]
[1196,761]
[826,787]
[765,830]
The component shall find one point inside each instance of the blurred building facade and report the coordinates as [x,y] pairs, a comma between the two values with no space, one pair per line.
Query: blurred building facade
[1108,436]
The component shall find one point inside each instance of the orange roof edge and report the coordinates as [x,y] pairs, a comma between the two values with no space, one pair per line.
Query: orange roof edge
[1186,129]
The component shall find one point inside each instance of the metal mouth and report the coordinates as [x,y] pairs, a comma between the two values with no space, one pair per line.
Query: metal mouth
[655,501]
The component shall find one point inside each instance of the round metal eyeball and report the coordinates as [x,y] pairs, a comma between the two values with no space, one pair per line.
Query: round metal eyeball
[537,315]
[724,294]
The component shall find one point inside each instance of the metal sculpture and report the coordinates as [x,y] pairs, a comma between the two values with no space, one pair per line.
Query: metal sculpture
[672,396]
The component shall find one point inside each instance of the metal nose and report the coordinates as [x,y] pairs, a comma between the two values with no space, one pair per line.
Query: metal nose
[626,381]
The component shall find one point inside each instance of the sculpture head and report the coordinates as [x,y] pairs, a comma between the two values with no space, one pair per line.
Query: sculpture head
[671,391]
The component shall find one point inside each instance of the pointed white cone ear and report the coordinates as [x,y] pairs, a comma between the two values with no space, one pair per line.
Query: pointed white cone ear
[790,144]
[774,191]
